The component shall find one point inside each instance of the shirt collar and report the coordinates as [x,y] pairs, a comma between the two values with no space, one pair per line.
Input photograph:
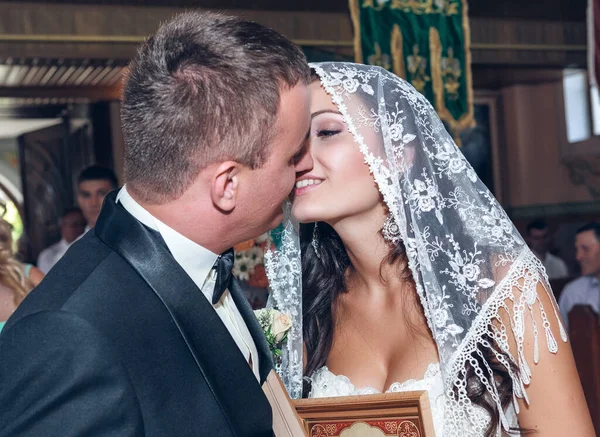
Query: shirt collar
[196,260]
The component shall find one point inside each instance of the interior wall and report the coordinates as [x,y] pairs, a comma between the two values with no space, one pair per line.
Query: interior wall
[535,172]
[537,181]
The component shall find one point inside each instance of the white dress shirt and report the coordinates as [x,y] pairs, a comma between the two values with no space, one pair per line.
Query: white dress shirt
[50,256]
[582,291]
[555,267]
[198,263]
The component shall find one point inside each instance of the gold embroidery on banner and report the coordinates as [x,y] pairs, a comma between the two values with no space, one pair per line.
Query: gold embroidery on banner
[451,74]
[442,83]
[379,59]
[419,7]
[371,4]
[417,67]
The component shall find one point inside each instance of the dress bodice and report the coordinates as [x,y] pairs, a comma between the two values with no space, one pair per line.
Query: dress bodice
[327,384]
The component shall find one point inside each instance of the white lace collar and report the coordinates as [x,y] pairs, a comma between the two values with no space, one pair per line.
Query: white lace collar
[325,383]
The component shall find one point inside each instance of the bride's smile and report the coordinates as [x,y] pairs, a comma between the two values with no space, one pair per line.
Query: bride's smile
[306,184]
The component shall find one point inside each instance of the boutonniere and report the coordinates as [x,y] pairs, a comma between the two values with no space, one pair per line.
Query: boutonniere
[276,326]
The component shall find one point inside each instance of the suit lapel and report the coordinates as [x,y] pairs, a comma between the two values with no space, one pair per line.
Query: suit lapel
[264,354]
[225,369]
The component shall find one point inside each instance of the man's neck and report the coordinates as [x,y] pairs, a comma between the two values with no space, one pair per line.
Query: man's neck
[201,226]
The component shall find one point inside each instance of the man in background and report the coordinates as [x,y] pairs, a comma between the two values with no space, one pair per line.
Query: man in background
[586,289]
[72,225]
[93,185]
[539,237]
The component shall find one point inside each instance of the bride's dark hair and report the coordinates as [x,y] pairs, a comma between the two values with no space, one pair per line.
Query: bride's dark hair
[324,281]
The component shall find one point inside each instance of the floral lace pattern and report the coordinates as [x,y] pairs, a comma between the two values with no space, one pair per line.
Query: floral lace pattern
[283,269]
[469,263]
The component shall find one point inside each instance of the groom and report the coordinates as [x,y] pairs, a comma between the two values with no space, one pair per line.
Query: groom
[139,330]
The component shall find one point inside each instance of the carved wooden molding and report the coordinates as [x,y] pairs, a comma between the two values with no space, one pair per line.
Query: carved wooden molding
[93,31]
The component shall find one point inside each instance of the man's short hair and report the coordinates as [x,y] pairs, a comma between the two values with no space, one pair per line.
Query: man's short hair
[592,226]
[97,172]
[539,224]
[205,88]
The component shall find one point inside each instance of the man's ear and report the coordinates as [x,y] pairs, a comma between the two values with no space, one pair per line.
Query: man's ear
[225,185]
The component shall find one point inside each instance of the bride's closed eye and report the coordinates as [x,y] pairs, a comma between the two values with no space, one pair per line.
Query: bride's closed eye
[328,132]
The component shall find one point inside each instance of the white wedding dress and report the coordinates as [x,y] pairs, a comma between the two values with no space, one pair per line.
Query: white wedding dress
[326,384]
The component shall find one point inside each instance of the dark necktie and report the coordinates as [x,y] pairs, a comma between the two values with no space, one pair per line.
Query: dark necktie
[224,266]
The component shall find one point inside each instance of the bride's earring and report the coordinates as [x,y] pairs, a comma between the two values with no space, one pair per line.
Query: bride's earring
[391,231]
[315,241]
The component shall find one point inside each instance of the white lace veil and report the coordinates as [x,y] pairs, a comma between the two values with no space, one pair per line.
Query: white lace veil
[469,263]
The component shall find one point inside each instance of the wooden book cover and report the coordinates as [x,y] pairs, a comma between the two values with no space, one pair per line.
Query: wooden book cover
[286,422]
[404,414]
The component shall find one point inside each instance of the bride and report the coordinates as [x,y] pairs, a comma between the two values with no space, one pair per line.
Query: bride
[411,275]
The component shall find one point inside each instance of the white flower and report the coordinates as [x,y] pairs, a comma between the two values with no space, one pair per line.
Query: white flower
[255,256]
[456,165]
[497,232]
[426,203]
[281,324]
[243,265]
[440,317]
[471,272]
[396,131]
[350,85]
[263,316]
[274,322]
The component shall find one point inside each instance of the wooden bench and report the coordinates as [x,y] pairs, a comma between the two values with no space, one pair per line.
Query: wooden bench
[584,335]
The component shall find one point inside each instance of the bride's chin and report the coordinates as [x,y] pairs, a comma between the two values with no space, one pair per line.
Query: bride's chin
[302,216]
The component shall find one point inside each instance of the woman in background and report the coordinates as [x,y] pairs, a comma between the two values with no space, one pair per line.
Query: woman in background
[16,279]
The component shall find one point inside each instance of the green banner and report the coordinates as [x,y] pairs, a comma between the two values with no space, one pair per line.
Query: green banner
[426,42]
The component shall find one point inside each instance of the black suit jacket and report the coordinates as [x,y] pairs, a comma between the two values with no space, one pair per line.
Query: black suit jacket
[118,341]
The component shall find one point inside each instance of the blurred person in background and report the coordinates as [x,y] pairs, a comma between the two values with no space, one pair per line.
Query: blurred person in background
[16,279]
[540,239]
[72,226]
[93,185]
[584,290]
